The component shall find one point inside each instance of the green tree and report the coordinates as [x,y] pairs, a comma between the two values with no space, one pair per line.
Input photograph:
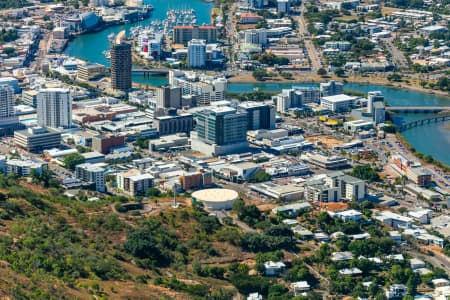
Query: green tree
[260,176]
[72,160]
[365,172]
[321,72]
[339,72]
[153,192]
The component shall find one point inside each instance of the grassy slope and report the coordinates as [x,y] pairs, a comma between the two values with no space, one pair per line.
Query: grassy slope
[52,245]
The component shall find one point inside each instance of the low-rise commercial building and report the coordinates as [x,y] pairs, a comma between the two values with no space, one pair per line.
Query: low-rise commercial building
[90,71]
[169,142]
[333,187]
[411,170]
[36,139]
[173,124]
[327,162]
[338,103]
[194,180]
[24,167]
[103,144]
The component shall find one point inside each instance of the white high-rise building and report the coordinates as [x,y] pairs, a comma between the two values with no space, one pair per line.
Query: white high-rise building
[256,36]
[207,89]
[7,103]
[8,119]
[283,6]
[54,108]
[197,54]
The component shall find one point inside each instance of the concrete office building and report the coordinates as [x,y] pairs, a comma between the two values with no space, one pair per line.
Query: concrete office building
[169,141]
[206,89]
[168,97]
[133,182]
[172,124]
[91,173]
[339,45]
[29,97]
[256,4]
[288,98]
[36,139]
[120,63]
[334,187]
[283,6]
[12,82]
[375,111]
[331,88]
[309,93]
[90,71]
[6,102]
[54,108]
[103,144]
[259,115]
[256,36]
[60,33]
[220,130]
[8,120]
[197,53]
[411,170]
[184,34]
[338,103]
[24,168]
[351,188]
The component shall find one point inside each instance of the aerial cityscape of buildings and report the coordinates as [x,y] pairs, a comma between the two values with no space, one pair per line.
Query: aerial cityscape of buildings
[260,155]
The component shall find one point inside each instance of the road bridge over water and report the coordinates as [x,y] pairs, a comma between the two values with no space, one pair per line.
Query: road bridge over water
[418,109]
[149,72]
[440,118]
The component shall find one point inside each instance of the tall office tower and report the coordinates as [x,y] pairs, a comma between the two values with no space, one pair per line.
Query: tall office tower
[220,130]
[222,125]
[197,53]
[372,97]
[259,115]
[120,63]
[6,103]
[54,108]
[283,6]
[168,97]
[8,120]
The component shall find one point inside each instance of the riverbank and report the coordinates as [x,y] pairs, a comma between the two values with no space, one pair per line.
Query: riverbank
[424,159]
[412,84]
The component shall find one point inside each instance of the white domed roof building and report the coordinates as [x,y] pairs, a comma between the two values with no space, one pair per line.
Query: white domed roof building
[216,199]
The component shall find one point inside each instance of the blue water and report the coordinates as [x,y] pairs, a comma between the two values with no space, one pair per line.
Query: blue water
[430,139]
[90,46]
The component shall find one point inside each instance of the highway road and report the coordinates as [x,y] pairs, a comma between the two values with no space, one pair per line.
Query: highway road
[397,56]
[303,33]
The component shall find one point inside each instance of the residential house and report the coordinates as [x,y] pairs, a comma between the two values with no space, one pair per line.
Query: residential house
[273,268]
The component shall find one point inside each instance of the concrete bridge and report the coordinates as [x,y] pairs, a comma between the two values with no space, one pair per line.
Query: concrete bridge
[441,118]
[418,109]
[149,72]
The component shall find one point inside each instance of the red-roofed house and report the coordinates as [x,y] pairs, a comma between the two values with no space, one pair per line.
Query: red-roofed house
[250,19]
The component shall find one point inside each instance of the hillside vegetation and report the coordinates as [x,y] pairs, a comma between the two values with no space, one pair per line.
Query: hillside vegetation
[56,247]
[52,246]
